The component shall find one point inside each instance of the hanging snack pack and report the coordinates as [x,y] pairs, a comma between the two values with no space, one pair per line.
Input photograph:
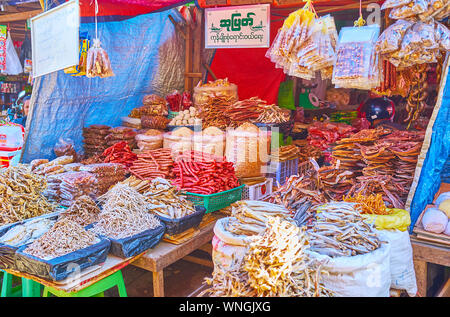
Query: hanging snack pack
[98,64]
[80,69]
[357,65]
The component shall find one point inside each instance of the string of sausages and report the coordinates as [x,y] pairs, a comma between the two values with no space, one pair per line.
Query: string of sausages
[152,164]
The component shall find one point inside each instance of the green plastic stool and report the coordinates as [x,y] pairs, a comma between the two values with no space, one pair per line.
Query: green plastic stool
[95,290]
[7,289]
[30,288]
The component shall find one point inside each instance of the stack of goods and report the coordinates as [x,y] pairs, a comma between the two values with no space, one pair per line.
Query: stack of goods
[322,134]
[205,174]
[340,230]
[186,117]
[76,184]
[153,163]
[153,106]
[409,41]
[107,174]
[177,102]
[179,140]
[154,122]
[124,213]
[120,153]
[285,153]
[273,114]
[305,45]
[27,232]
[57,166]
[212,111]
[65,148]
[348,152]
[94,139]
[211,140]
[245,110]
[221,88]
[64,237]
[335,182]
[371,204]
[357,65]
[276,265]
[121,134]
[21,195]
[306,151]
[248,148]
[298,190]
[166,201]
[150,140]
[83,211]
[380,184]
[249,217]
[379,159]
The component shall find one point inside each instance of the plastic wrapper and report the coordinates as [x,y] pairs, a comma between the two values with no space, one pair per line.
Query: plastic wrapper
[210,142]
[136,244]
[98,64]
[174,101]
[247,147]
[154,122]
[357,64]
[390,40]
[179,225]
[394,3]
[186,101]
[178,143]
[65,147]
[433,7]
[203,93]
[150,141]
[59,268]
[442,36]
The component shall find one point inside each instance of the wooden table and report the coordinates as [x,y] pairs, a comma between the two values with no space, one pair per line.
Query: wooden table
[424,253]
[165,254]
[87,277]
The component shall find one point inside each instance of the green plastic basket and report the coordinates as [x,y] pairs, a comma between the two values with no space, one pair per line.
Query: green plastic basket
[216,201]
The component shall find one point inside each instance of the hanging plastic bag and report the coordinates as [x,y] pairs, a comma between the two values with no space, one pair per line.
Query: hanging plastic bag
[390,40]
[394,3]
[98,64]
[13,66]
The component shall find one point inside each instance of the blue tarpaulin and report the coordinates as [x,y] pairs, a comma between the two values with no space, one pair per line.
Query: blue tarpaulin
[147,56]
[437,154]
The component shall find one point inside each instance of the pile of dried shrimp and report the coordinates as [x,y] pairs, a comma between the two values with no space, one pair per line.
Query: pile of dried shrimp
[83,211]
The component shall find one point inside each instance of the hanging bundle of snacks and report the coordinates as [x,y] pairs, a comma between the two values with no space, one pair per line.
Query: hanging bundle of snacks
[98,64]
[305,45]
[357,65]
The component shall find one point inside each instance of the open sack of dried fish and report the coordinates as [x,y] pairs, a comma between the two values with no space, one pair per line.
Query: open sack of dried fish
[124,213]
[339,230]
[64,237]
[249,217]
[21,195]
[212,110]
[276,265]
[83,211]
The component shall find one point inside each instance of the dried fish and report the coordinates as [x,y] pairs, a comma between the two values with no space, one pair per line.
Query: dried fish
[83,211]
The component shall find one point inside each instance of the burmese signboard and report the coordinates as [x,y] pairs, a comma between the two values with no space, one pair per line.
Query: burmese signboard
[238,27]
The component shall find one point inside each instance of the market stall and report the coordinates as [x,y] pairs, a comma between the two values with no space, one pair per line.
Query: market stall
[317,177]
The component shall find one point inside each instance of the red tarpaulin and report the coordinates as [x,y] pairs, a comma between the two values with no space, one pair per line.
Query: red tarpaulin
[250,70]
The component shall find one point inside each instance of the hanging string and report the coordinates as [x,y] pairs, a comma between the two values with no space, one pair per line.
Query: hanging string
[360,21]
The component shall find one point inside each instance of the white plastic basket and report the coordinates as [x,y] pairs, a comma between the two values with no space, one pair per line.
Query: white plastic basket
[258,191]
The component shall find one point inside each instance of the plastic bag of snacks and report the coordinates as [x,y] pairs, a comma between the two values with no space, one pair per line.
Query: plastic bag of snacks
[248,148]
[391,39]
[179,140]
[357,64]
[98,64]
[442,36]
[65,147]
[150,140]
[218,88]
[394,3]
[211,140]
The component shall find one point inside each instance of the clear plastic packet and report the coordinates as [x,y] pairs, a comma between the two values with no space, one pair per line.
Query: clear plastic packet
[65,147]
[98,64]
[356,57]
[394,3]
[402,12]
[442,36]
[433,6]
[391,38]
[420,6]
[445,13]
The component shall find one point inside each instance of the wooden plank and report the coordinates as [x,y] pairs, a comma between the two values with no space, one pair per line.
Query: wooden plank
[165,253]
[445,290]
[432,253]
[196,260]
[197,50]
[19,16]
[210,71]
[420,268]
[193,75]
[188,59]
[158,284]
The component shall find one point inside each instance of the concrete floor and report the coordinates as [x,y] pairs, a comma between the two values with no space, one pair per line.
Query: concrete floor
[180,279]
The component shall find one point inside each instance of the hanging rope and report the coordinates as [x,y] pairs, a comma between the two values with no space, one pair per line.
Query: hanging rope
[360,21]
